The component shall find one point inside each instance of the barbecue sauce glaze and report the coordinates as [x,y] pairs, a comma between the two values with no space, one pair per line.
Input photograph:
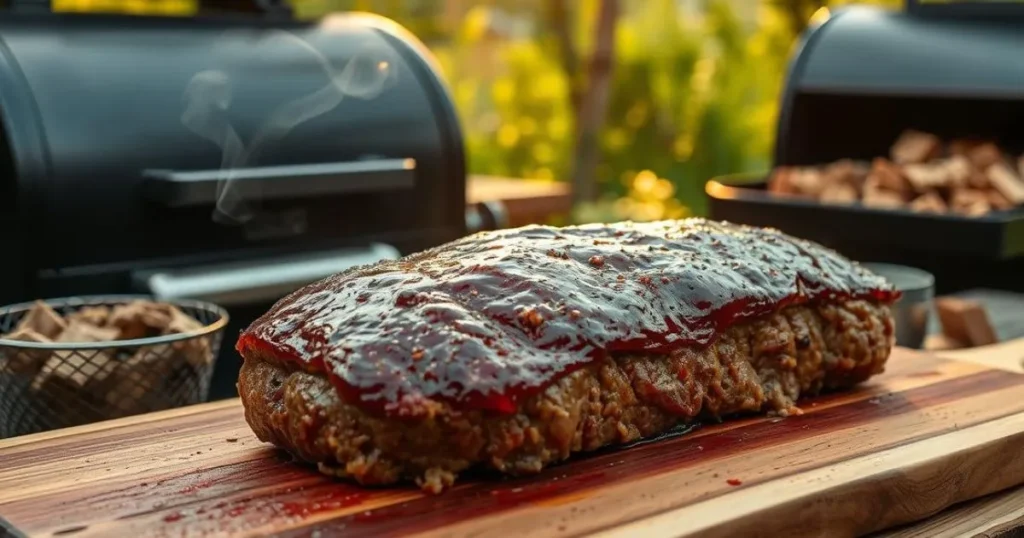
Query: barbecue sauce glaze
[494,317]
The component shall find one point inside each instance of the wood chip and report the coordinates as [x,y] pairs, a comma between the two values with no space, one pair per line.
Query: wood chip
[926,177]
[42,319]
[963,146]
[840,194]
[27,335]
[27,362]
[929,202]
[915,147]
[139,319]
[132,385]
[845,172]
[882,198]
[781,181]
[808,181]
[1005,181]
[958,170]
[76,370]
[970,202]
[984,155]
[888,176]
[148,371]
[79,332]
[180,322]
[978,180]
[965,321]
[93,315]
[998,201]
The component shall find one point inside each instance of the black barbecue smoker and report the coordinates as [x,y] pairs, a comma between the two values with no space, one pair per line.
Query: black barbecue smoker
[858,80]
[230,157]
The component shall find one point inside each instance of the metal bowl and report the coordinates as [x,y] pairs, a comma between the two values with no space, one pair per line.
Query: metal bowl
[912,311]
[45,386]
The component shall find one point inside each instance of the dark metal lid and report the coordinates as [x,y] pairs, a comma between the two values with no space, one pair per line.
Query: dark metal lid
[862,50]
[117,163]
[966,9]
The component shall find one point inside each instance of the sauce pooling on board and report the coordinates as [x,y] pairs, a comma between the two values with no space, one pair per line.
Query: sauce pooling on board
[491,318]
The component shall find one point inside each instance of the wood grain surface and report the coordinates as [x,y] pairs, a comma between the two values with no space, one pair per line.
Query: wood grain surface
[994,516]
[927,434]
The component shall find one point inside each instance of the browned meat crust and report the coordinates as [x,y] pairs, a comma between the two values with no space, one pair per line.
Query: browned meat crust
[761,366]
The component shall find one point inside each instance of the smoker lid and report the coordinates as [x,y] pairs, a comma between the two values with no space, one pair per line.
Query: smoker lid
[863,50]
[338,119]
[966,9]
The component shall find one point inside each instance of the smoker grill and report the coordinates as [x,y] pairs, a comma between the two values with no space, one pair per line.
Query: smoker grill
[113,167]
[862,77]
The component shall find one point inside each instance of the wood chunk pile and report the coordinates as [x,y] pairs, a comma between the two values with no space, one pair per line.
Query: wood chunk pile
[965,323]
[87,385]
[923,174]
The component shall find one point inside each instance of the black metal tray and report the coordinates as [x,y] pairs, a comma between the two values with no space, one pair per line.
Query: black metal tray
[864,231]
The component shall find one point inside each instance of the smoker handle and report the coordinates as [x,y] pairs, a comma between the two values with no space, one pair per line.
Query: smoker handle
[257,282]
[181,188]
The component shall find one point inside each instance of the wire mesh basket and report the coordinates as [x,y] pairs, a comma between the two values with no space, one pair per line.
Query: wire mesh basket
[45,386]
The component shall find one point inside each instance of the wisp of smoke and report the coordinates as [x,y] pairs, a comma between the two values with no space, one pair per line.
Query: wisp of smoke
[208,98]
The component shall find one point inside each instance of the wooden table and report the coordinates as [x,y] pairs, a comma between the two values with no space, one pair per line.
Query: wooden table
[992,516]
[928,433]
[522,201]
[995,516]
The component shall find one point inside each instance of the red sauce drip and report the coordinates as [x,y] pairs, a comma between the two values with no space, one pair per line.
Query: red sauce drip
[172,517]
[492,318]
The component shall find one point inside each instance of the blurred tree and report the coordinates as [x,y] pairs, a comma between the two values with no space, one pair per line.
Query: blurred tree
[589,95]
[132,7]
[694,92]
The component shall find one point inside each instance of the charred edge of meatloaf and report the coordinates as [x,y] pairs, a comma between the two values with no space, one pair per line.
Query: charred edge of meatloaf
[763,365]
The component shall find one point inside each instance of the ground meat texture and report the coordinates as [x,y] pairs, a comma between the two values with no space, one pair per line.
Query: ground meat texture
[764,365]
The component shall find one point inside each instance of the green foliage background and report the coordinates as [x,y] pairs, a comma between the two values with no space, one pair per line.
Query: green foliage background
[695,89]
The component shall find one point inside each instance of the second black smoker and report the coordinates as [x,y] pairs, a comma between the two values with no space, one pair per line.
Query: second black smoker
[861,78]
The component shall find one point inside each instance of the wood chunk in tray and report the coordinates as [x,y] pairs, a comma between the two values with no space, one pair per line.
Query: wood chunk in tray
[923,174]
[915,147]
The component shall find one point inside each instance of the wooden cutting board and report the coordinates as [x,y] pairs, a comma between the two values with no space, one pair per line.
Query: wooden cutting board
[928,433]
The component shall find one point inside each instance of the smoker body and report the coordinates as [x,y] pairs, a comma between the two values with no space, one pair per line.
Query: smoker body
[857,81]
[113,181]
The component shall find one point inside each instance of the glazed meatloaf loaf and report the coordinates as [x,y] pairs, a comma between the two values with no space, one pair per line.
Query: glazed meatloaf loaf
[514,349]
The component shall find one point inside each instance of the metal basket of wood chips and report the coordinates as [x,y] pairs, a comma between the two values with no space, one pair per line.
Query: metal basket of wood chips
[68,362]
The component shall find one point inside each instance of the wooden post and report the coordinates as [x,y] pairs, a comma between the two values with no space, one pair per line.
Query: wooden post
[561,26]
[594,104]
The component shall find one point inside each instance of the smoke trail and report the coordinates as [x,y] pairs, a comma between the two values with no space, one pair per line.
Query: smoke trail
[207,99]
[208,96]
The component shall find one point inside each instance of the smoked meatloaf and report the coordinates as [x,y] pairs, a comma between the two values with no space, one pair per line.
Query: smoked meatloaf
[514,349]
